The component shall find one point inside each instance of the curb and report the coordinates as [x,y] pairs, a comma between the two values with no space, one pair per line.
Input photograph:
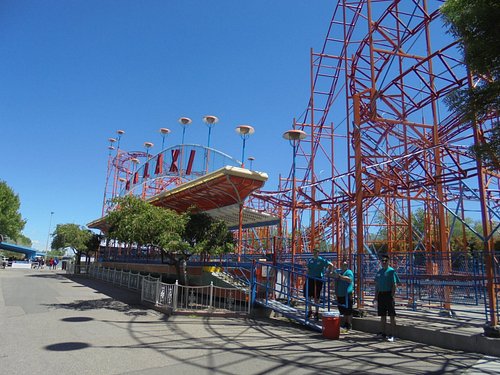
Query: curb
[440,337]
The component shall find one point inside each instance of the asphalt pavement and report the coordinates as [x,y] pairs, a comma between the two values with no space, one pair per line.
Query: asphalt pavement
[53,324]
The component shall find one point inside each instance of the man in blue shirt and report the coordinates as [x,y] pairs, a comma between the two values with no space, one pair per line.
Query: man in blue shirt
[386,281]
[316,267]
[344,286]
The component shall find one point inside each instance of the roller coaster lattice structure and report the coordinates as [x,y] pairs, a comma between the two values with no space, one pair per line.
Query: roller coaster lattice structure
[381,146]
[377,125]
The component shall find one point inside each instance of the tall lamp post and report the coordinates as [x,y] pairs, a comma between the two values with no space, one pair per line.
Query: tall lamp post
[184,121]
[164,132]
[245,131]
[111,168]
[294,137]
[210,121]
[122,181]
[120,133]
[116,173]
[48,234]
[148,145]
[145,175]
[135,162]
[111,147]
[251,159]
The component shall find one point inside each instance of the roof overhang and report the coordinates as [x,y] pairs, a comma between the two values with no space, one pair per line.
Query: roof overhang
[219,193]
[99,224]
[251,218]
[221,188]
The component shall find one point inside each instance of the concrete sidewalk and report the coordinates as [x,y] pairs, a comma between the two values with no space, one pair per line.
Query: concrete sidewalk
[421,328]
[454,334]
[463,331]
[50,323]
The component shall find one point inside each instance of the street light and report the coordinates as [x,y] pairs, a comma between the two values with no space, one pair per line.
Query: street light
[245,131]
[135,163]
[251,159]
[148,145]
[145,175]
[210,121]
[111,142]
[111,169]
[122,181]
[294,137]
[164,132]
[48,234]
[184,121]
[120,133]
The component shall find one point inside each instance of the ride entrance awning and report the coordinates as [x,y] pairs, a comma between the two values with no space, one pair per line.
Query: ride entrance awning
[221,188]
[219,193]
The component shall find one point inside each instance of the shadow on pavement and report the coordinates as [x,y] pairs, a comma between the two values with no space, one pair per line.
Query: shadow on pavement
[117,299]
[67,346]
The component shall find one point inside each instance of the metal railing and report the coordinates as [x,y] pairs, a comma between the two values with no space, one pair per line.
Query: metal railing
[442,283]
[210,298]
[172,297]
[290,286]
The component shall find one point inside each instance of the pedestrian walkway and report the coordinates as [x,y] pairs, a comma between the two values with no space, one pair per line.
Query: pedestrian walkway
[462,331]
[94,327]
[426,328]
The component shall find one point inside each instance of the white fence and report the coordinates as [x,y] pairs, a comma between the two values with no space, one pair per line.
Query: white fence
[195,298]
[173,297]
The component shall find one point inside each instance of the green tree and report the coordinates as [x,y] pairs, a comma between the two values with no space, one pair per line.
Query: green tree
[206,236]
[78,238]
[11,222]
[24,241]
[138,223]
[475,23]
[178,236]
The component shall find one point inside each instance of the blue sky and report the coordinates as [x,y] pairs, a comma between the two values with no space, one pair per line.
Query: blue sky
[74,72]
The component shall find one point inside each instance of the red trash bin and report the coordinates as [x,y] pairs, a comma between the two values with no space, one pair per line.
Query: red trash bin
[331,325]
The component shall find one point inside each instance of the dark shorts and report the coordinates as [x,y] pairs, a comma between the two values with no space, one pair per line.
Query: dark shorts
[313,288]
[345,309]
[386,304]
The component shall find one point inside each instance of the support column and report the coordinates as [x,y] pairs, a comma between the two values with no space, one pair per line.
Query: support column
[359,200]
[240,231]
